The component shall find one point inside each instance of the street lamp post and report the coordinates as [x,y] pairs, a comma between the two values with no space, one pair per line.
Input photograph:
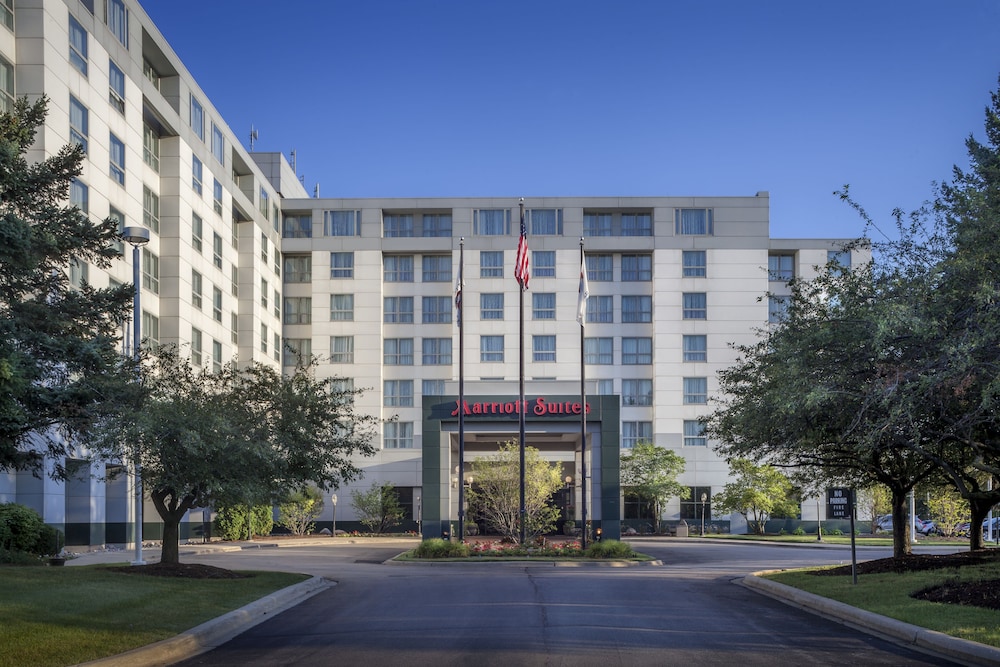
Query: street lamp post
[136,237]
[333,499]
[704,497]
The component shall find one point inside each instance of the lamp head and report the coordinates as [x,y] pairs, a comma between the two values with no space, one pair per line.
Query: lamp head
[136,236]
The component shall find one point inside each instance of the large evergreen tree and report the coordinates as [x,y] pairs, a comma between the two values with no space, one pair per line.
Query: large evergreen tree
[57,341]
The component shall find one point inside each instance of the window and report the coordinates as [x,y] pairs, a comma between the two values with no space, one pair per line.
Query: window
[150,73]
[543,348]
[341,264]
[633,432]
[398,435]
[298,310]
[277,304]
[637,268]
[692,507]
[695,306]
[218,144]
[777,308]
[695,263]
[79,273]
[150,331]
[79,195]
[117,159]
[432,387]
[546,221]
[150,209]
[491,264]
[342,349]
[216,304]
[598,351]
[600,309]
[341,307]
[436,269]
[197,229]
[263,248]
[397,309]
[298,268]
[695,348]
[79,121]
[840,258]
[297,226]
[150,271]
[491,306]
[341,223]
[637,309]
[7,14]
[196,346]
[150,147]
[116,87]
[116,16]
[118,217]
[397,268]
[6,84]
[693,222]
[637,392]
[491,222]
[275,218]
[234,327]
[437,309]
[436,225]
[297,351]
[196,286]
[637,224]
[277,346]
[217,250]
[397,352]
[397,225]
[694,433]
[263,338]
[216,356]
[436,352]
[543,306]
[491,349]
[600,268]
[597,224]
[695,391]
[543,263]
[397,393]
[197,118]
[264,287]
[234,280]
[217,196]
[637,351]
[780,267]
[77,46]
[196,174]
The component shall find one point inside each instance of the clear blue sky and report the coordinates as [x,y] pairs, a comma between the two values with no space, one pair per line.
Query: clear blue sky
[506,98]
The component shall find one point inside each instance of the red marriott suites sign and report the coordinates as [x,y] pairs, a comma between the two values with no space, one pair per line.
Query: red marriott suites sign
[539,407]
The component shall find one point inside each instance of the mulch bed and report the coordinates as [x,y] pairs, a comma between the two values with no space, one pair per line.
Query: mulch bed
[186,570]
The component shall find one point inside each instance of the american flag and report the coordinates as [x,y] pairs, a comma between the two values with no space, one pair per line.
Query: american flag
[581,305]
[459,284]
[521,272]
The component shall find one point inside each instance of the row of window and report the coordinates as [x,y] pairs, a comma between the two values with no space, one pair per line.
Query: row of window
[781,266]
[497,222]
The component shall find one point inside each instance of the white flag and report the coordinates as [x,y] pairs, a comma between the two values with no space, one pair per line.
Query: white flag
[581,304]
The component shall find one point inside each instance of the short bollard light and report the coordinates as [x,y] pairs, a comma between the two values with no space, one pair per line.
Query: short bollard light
[597,534]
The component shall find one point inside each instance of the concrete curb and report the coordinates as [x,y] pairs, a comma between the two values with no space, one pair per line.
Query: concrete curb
[953,648]
[217,631]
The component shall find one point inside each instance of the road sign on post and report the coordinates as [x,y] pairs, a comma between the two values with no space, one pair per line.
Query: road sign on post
[838,503]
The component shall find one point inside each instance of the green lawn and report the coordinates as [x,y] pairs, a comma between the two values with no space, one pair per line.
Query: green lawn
[66,615]
[889,595]
[861,541]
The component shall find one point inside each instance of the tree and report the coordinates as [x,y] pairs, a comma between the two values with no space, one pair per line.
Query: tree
[377,508]
[299,509]
[872,502]
[651,473]
[757,492]
[947,508]
[241,436]
[496,492]
[57,340]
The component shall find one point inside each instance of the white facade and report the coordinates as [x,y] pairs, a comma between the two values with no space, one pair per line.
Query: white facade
[241,260]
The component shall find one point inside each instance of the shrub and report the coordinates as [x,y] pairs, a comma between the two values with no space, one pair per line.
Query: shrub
[439,548]
[609,549]
[299,510]
[20,528]
[836,531]
[231,521]
[799,531]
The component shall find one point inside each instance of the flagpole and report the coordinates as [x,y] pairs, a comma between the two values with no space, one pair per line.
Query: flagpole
[582,314]
[522,281]
[461,390]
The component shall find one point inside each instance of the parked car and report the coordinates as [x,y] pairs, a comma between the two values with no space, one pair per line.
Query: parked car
[922,526]
[996,526]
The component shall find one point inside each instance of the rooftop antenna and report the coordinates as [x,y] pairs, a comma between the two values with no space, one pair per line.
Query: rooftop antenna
[294,170]
[316,191]
[253,136]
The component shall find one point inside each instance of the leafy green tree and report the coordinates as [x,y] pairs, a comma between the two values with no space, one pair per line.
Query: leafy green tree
[243,522]
[241,436]
[496,491]
[756,492]
[57,341]
[651,473]
[872,502]
[300,509]
[377,508]
[947,508]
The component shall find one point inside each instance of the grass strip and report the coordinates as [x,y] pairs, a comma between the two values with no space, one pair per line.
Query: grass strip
[889,594]
[66,615]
